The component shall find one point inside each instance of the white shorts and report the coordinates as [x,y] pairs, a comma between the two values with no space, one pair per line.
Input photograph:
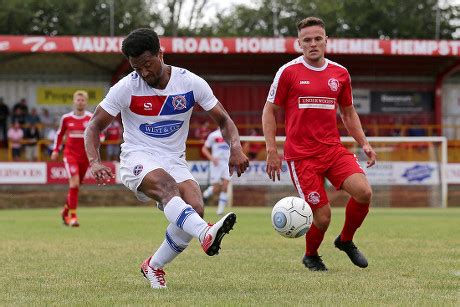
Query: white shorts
[219,172]
[135,165]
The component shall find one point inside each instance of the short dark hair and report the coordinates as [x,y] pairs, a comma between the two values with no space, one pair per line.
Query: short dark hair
[310,21]
[139,41]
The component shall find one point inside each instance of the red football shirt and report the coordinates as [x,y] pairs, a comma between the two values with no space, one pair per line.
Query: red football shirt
[310,97]
[113,131]
[72,127]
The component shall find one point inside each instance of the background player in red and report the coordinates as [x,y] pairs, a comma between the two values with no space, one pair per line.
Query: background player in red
[72,127]
[310,88]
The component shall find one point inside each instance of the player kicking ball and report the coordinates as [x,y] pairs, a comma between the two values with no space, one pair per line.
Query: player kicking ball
[156,102]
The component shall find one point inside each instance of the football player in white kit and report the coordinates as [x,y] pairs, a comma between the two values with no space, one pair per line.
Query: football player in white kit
[216,150]
[156,102]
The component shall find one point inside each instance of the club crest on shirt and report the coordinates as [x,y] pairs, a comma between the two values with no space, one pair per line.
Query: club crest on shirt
[313,198]
[333,84]
[138,169]
[179,102]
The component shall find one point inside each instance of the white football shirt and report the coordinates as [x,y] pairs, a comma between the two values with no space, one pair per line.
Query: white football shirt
[157,120]
[219,148]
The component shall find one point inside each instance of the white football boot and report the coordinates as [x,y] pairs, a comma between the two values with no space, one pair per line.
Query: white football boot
[215,233]
[156,276]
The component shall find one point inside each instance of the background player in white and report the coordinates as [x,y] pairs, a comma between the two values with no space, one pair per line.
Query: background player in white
[216,150]
[156,103]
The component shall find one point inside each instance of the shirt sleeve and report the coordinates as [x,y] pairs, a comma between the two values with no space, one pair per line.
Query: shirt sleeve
[209,141]
[60,135]
[118,98]
[203,94]
[345,98]
[279,88]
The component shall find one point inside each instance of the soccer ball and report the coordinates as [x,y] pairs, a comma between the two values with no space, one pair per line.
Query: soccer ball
[292,217]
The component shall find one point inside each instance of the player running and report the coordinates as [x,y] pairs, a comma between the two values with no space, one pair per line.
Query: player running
[156,102]
[72,126]
[310,88]
[216,150]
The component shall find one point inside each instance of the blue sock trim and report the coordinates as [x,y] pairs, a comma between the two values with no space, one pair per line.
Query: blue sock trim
[183,216]
[173,244]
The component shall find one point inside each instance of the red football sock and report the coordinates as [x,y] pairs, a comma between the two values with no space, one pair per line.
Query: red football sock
[313,238]
[72,201]
[354,217]
[65,210]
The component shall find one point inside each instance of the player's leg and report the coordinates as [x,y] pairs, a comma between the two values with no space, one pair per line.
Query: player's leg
[69,212]
[223,197]
[190,191]
[225,180]
[214,180]
[207,193]
[176,240]
[159,185]
[346,174]
[309,185]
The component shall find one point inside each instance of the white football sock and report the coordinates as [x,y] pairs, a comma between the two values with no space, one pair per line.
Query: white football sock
[223,199]
[175,242]
[183,216]
[208,192]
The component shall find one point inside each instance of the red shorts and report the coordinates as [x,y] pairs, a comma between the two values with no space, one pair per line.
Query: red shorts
[76,166]
[308,174]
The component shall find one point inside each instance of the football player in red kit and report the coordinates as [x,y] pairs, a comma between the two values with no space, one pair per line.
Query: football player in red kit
[310,88]
[72,127]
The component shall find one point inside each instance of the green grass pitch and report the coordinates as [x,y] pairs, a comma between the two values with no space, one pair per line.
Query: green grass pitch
[414,259]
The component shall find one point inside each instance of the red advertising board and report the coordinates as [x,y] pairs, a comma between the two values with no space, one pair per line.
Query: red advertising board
[222,45]
[57,174]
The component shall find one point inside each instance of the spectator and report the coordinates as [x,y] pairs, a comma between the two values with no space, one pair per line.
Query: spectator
[113,135]
[18,116]
[47,122]
[4,113]
[21,110]
[50,136]
[31,138]
[33,118]
[202,132]
[252,149]
[15,136]
[416,129]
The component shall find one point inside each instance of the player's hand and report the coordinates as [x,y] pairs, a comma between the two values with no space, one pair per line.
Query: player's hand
[238,161]
[101,173]
[273,165]
[371,155]
[54,155]
[215,161]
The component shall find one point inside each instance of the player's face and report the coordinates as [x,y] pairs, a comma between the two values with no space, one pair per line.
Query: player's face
[80,102]
[149,67]
[313,41]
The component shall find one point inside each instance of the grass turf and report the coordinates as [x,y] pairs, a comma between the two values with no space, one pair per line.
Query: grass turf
[414,259]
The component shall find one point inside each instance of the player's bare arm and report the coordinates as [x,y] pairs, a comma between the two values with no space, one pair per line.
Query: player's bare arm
[238,159]
[273,168]
[353,125]
[207,153]
[100,120]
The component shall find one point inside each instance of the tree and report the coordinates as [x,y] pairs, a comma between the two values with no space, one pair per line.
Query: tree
[71,17]
[345,18]
[178,17]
